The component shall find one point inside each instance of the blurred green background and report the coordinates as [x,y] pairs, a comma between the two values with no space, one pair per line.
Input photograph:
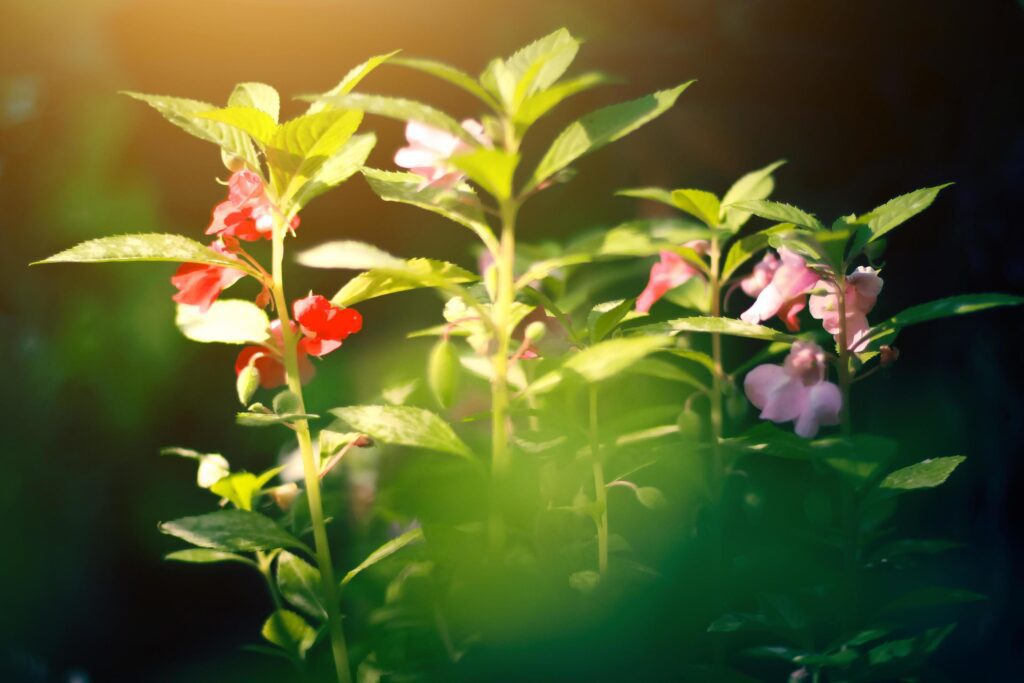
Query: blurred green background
[867,100]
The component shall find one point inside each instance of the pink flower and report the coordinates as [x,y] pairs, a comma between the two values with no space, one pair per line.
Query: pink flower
[429,150]
[200,284]
[267,359]
[784,295]
[862,289]
[670,272]
[323,324]
[761,276]
[248,214]
[796,391]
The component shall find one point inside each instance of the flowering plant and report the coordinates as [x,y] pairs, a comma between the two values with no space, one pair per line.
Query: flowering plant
[528,449]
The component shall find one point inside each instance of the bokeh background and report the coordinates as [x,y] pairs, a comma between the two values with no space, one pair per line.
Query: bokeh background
[866,100]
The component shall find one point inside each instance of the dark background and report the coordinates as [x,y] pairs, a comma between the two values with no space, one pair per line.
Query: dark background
[866,100]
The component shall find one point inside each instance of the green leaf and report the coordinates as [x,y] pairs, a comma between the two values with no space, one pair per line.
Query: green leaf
[538,65]
[236,530]
[241,487]
[448,73]
[206,556]
[258,96]
[183,113]
[400,109]
[932,596]
[605,317]
[923,475]
[662,369]
[142,247]
[655,194]
[944,308]
[728,326]
[539,104]
[779,212]
[741,251]
[212,466]
[336,169]
[650,497]
[228,321]
[458,204]
[894,212]
[492,169]
[404,426]
[600,128]
[350,81]
[300,147]
[384,552]
[290,632]
[253,122]
[443,372]
[704,206]
[413,274]
[348,254]
[609,358]
[299,583]
[754,185]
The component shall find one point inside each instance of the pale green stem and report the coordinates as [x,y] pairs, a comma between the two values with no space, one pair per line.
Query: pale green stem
[600,489]
[310,467]
[844,358]
[717,464]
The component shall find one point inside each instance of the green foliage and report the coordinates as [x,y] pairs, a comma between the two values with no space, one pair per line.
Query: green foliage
[895,212]
[449,73]
[491,169]
[415,273]
[728,326]
[257,96]
[755,185]
[779,212]
[241,487]
[741,251]
[231,530]
[404,426]
[885,332]
[600,128]
[299,583]
[350,81]
[143,247]
[207,556]
[443,372]
[704,206]
[212,466]
[384,552]
[925,474]
[400,109]
[290,632]
[227,321]
[335,169]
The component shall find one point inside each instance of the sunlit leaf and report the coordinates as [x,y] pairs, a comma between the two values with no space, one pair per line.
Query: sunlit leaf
[413,274]
[336,169]
[250,120]
[779,212]
[704,206]
[348,254]
[299,583]
[206,556]
[227,321]
[350,81]
[142,247]
[449,73]
[259,96]
[490,168]
[754,185]
[404,426]
[400,109]
[236,530]
[923,475]
[290,632]
[538,104]
[727,326]
[384,552]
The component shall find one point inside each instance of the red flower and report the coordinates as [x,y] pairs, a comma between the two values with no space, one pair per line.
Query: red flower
[248,214]
[200,284]
[268,359]
[323,324]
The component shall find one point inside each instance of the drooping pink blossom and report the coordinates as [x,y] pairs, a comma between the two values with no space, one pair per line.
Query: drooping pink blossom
[324,326]
[429,150]
[761,275]
[796,391]
[785,294]
[671,271]
[248,213]
[200,284]
[862,289]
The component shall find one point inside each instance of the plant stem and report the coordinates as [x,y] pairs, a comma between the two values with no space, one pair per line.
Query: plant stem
[600,490]
[717,464]
[505,295]
[310,466]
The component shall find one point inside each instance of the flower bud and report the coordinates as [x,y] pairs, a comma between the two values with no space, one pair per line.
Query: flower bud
[690,424]
[231,162]
[363,441]
[247,382]
[284,495]
[535,331]
[443,370]
[888,355]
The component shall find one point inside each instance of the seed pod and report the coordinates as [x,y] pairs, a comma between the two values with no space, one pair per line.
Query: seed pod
[443,371]
[247,382]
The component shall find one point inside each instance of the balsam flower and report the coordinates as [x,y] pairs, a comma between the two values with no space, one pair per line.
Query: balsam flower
[796,390]
[671,271]
[862,289]
[200,284]
[429,150]
[784,295]
[268,359]
[248,213]
[324,326]
[761,275]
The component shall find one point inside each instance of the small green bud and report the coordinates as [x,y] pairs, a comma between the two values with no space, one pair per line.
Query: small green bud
[247,383]
[535,331]
[690,424]
[650,497]
[443,371]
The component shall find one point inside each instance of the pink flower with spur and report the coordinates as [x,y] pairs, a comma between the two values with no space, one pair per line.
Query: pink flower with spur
[671,271]
[761,275]
[248,213]
[862,289]
[784,295]
[429,150]
[796,390]
[200,284]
